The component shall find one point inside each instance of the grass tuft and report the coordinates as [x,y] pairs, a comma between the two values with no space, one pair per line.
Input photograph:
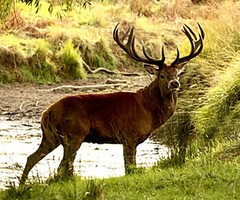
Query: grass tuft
[39,68]
[97,54]
[218,116]
[71,66]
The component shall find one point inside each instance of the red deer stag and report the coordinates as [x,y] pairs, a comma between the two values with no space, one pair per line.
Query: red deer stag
[126,118]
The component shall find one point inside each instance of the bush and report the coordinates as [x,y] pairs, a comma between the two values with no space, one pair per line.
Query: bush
[70,62]
[5,7]
[6,76]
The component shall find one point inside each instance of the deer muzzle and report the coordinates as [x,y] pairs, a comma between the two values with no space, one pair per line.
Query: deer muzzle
[174,85]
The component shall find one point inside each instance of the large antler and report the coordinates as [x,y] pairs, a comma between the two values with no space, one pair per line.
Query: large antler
[129,48]
[196,46]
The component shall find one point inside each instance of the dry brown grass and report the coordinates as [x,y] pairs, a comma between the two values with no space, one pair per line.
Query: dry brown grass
[10,58]
[14,20]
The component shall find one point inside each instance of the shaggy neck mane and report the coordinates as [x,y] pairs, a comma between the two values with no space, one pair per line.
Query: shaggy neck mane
[160,105]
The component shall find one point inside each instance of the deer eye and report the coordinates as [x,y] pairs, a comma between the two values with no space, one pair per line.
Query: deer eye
[162,76]
[180,73]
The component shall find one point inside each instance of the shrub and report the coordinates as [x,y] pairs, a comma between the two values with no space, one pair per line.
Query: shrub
[70,62]
[5,7]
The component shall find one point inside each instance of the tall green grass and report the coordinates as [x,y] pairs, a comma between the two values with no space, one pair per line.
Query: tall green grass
[68,189]
[218,116]
[209,98]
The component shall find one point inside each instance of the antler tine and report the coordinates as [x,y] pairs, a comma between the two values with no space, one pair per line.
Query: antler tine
[126,34]
[157,61]
[117,39]
[187,31]
[200,41]
[187,28]
[196,45]
[177,58]
[201,30]
[126,47]
[129,47]
[201,35]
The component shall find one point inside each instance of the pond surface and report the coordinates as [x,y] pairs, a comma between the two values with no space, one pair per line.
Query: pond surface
[20,138]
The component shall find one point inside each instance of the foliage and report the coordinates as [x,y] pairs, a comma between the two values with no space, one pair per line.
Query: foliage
[97,54]
[5,6]
[38,66]
[71,64]
[219,114]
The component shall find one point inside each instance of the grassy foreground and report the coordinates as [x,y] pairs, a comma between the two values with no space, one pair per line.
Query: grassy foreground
[213,176]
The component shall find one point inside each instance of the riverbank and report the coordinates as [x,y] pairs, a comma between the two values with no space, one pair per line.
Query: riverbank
[208,177]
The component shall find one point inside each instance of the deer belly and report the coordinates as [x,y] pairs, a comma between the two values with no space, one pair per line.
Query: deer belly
[96,137]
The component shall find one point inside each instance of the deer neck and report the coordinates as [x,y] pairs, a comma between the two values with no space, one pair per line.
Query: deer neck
[160,105]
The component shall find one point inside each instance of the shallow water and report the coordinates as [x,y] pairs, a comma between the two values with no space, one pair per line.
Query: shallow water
[19,139]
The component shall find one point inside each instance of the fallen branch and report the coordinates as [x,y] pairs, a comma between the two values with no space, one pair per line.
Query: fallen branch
[20,108]
[108,71]
[3,109]
[116,81]
[74,87]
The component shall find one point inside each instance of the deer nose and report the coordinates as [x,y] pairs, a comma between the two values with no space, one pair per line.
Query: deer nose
[174,85]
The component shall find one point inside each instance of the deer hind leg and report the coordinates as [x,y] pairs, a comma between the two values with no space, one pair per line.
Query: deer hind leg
[129,153]
[47,145]
[74,131]
[70,147]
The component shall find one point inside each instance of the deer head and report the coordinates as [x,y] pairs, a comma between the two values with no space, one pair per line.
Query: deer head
[167,75]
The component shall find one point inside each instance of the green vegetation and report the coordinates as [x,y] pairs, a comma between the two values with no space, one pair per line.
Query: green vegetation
[205,111]
[204,133]
[5,7]
[209,177]
[219,113]
[71,64]
[40,49]
[38,67]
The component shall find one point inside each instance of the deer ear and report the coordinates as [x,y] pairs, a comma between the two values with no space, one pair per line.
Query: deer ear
[150,69]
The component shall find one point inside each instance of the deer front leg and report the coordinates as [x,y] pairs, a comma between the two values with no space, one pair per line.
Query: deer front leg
[129,153]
